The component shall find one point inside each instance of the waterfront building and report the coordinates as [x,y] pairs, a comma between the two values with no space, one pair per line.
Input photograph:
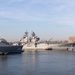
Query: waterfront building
[72,39]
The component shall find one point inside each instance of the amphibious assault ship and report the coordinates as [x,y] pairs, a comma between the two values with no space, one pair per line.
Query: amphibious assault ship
[33,43]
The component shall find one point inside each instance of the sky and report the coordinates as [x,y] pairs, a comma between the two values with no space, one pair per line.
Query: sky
[47,18]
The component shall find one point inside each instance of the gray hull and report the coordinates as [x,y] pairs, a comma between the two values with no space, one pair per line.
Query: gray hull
[10,49]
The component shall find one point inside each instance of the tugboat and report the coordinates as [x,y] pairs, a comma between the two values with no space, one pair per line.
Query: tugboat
[7,48]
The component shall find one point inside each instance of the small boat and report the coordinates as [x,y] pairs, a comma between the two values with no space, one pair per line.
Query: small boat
[48,49]
[6,47]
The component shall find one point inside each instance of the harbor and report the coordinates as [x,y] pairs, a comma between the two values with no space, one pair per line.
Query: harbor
[33,43]
[37,37]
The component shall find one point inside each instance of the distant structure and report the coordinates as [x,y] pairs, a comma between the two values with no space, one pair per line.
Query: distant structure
[72,39]
[25,38]
[29,39]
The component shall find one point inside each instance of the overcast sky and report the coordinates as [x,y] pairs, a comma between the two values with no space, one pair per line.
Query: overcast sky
[47,18]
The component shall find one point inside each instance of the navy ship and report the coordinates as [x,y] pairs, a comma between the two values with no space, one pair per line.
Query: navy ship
[7,48]
[33,43]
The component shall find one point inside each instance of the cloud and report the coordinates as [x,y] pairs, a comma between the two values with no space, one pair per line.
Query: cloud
[14,1]
[17,15]
[58,11]
[66,21]
[22,16]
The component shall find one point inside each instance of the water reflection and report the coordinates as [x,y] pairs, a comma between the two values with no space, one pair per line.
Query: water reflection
[38,63]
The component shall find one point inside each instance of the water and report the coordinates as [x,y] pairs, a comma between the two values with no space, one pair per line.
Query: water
[38,63]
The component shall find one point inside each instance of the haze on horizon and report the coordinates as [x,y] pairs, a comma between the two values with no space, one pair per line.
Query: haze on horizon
[47,18]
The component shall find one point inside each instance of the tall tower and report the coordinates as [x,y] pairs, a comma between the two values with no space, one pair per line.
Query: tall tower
[25,38]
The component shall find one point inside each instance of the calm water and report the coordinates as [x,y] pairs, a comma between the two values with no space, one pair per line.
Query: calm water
[38,63]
